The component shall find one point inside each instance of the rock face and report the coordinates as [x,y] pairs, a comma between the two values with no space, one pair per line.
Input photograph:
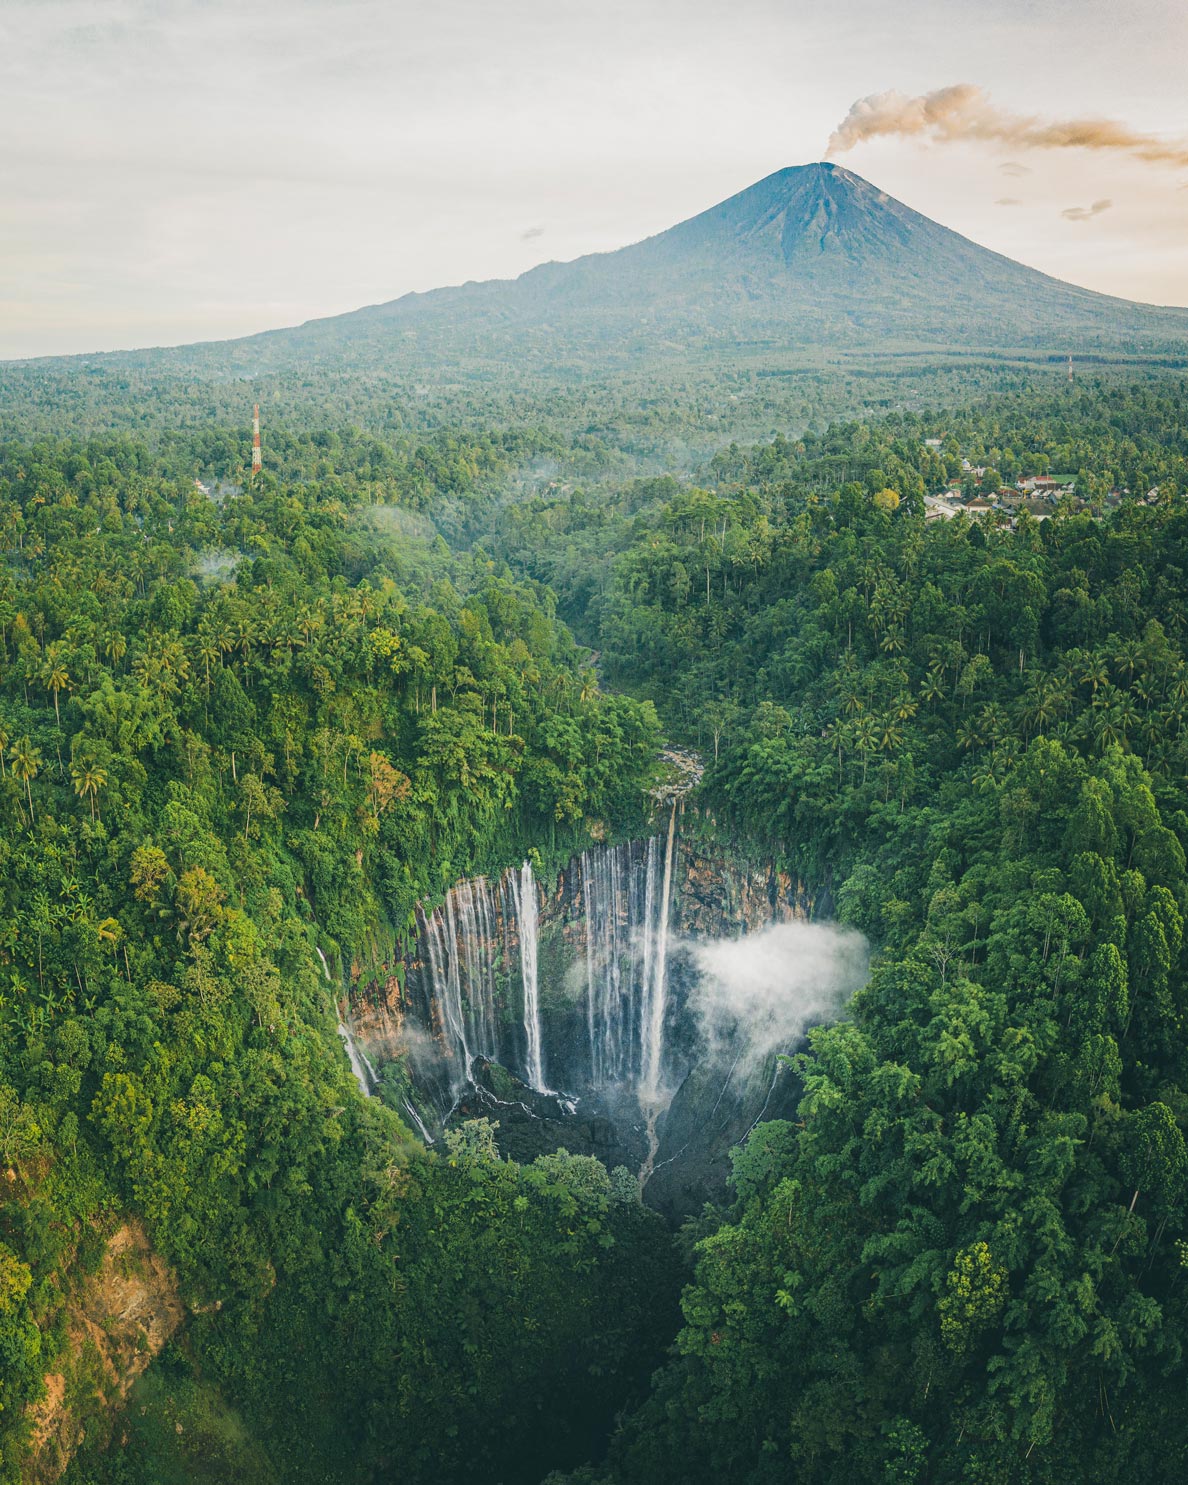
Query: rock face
[607,991]
[723,896]
[116,1325]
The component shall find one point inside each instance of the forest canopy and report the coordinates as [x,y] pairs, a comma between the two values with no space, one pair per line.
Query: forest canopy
[247,720]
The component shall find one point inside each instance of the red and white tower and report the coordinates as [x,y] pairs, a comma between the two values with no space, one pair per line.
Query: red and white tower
[257,461]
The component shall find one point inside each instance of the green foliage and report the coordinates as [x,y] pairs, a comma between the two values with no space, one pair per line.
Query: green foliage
[209,767]
[960,1262]
[235,728]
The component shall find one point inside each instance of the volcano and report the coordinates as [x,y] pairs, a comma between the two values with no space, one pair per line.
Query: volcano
[810,259]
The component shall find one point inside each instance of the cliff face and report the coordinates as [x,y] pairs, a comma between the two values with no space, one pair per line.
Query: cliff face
[716,894]
[722,895]
[596,941]
[115,1325]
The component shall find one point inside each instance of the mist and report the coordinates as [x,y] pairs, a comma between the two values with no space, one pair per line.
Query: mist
[395,521]
[965,111]
[217,566]
[762,992]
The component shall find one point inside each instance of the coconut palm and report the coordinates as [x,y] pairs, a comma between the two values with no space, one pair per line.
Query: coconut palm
[26,760]
[1096,672]
[932,688]
[115,646]
[55,675]
[88,778]
[1128,658]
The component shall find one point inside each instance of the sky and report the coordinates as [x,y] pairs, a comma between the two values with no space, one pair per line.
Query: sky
[181,170]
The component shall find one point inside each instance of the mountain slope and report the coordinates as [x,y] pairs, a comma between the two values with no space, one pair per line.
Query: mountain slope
[812,257]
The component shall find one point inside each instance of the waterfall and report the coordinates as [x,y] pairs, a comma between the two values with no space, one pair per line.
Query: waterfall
[523,889]
[478,938]
[657,1002]
[354,1058]
[362,1069]
[410,1110]
[627,893]
[447,987]
[461,939]
[609,999]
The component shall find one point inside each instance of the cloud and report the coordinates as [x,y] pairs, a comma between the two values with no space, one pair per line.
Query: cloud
[1083,213]
[1008,201]
[762,992]
[529,233]
[1012,167]
[965,111]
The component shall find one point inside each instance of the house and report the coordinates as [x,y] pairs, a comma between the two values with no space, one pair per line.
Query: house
[937,508]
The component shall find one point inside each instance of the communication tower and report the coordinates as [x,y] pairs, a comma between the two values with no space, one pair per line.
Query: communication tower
[257,461]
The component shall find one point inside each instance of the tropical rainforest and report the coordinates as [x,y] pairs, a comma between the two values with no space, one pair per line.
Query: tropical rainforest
[251,720]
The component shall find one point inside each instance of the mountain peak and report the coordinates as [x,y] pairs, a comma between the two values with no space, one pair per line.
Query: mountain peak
[810,258]
[801,212]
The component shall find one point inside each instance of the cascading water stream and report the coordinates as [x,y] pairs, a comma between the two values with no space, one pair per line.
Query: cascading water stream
[460,940]
[653,1051]
[481,958]
[360,1067]
[523,887]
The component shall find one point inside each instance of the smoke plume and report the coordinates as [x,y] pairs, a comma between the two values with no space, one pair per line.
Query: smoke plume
[762,992]
[965,111]
[1083,213]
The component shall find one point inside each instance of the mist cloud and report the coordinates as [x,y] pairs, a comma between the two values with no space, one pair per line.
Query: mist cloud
[1083,213]
[966,112]
[762,992]
[1008,201]
[530,232]
[216,566]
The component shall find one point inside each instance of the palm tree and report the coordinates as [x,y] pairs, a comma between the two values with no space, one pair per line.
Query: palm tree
[1038,706]
[932,687]
[1129,657]
[115,646]
[209,654]
[1109,728]
[88,778]
[55,675]
[26,760]
[1096,672]
[904,708]
[1145,691]
[968,737]
[866,737]
[835,736]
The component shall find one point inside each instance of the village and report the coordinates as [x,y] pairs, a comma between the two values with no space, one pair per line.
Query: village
[1039,496]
